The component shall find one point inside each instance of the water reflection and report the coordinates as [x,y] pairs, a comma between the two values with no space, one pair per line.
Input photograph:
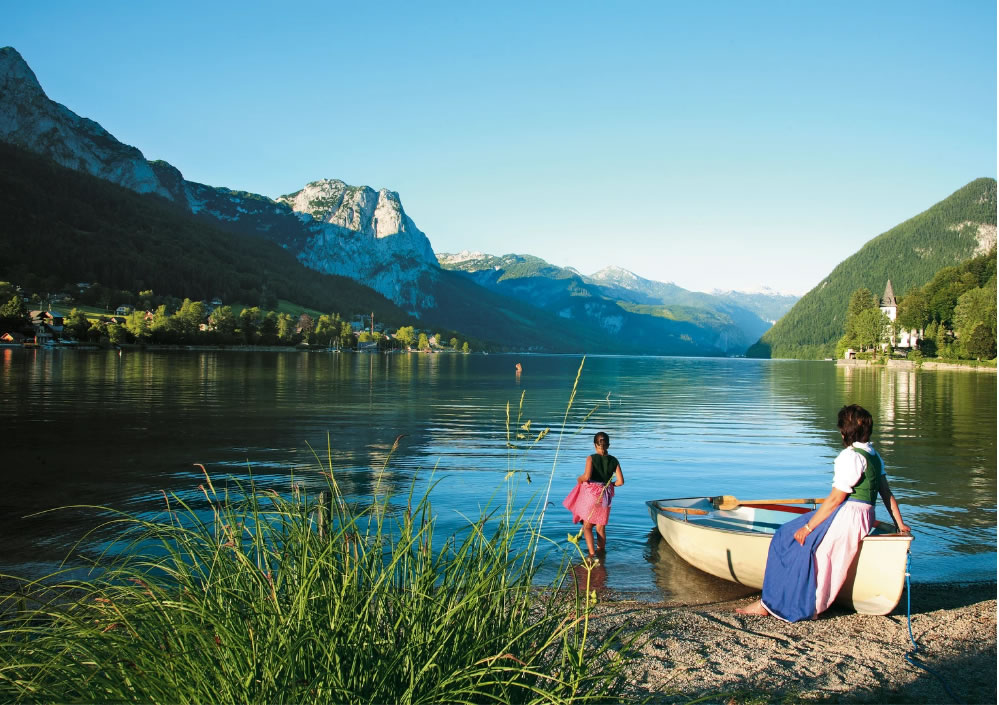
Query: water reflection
[680,582]
[591,577]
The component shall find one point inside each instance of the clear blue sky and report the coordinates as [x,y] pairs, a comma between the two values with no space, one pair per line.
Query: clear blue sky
[712,144]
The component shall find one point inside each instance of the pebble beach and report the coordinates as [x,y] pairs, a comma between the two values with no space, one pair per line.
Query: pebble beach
[711,654]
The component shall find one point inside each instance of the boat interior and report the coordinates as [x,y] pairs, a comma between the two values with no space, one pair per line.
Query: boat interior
[755,517]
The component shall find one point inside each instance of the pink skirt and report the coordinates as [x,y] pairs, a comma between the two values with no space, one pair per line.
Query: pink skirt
[589,502]
[835,553]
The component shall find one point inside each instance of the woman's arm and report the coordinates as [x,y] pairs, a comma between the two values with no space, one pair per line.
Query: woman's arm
[618,476]
[836,497]
[585,477]
[889,499]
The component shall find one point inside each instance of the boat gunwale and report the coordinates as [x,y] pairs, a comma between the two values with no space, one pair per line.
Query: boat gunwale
[684,519]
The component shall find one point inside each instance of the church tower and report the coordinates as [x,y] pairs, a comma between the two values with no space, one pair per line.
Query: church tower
[889,304]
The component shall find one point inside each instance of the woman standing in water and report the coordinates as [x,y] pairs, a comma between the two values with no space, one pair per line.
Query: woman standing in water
[809,556]
[590,499]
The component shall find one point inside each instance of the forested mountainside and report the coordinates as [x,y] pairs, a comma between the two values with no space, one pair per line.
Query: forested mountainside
[61,225]
[952,231]
[953,315]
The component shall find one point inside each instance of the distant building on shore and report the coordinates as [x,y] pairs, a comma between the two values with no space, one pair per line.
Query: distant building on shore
[889,306]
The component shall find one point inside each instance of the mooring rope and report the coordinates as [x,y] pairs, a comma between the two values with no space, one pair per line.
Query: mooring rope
[912,654]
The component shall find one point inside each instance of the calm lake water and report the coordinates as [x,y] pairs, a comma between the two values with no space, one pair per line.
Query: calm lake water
[102,428]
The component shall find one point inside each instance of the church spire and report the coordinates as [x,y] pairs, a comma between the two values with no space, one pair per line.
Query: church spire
[889,298]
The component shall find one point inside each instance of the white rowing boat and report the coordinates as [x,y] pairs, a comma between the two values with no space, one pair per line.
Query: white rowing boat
[733,544]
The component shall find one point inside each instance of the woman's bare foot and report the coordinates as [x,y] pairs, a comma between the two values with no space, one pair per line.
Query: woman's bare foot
[756,608]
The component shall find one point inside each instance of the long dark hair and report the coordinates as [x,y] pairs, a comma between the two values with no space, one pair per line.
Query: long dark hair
[855,424]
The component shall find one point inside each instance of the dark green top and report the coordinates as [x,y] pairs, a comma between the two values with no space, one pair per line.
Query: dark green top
[866,490]
[603,468]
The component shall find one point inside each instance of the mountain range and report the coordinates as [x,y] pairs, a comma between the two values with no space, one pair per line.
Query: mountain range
[310,243]
[354,231]
[332,228]
[615,301]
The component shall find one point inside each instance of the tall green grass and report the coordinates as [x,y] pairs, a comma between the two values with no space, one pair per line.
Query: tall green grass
[257,596]
[254,603]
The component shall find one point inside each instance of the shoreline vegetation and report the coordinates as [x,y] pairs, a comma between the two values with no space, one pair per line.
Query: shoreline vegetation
[259,597]
[924,364]
[255,596]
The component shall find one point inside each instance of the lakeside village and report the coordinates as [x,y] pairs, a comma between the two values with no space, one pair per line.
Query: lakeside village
[202,323]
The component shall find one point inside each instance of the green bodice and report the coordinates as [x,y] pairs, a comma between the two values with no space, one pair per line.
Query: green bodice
[603,467]
[867,489]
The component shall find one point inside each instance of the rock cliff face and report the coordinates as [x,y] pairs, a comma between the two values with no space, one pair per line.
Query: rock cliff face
[365,234]
[30,120]
[331,227]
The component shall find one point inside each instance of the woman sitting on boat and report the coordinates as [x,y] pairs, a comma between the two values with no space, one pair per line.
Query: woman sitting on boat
[809,557]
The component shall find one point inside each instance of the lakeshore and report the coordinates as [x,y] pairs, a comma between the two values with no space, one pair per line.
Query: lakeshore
[987,366]
[709,651]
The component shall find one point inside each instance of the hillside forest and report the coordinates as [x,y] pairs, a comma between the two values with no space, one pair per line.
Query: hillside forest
[953,315]
[910,255]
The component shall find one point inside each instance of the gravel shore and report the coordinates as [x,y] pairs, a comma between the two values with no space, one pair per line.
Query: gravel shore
[709,651]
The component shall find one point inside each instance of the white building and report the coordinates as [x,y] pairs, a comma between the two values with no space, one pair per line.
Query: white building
[889,306]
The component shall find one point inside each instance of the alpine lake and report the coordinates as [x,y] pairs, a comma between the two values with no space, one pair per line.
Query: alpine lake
[120,428]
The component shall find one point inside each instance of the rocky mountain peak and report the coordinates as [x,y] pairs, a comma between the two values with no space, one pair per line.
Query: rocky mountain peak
[446,258]
[360,209]
[364,234]
[31,121]
[16,77]
[615,274]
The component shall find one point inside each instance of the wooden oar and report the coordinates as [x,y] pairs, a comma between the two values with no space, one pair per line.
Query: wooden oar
[681,510]
[727,502]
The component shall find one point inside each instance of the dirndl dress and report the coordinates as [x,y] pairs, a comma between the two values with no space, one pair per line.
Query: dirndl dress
[590,502]
[801,582]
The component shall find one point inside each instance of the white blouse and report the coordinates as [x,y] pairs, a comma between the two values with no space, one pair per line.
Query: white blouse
[850,466]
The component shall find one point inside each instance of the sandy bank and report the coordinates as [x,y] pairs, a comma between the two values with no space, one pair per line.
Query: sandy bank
[690,652]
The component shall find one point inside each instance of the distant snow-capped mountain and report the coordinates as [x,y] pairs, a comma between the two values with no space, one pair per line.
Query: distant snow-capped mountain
[647,290]
[615,300]
[767,303]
